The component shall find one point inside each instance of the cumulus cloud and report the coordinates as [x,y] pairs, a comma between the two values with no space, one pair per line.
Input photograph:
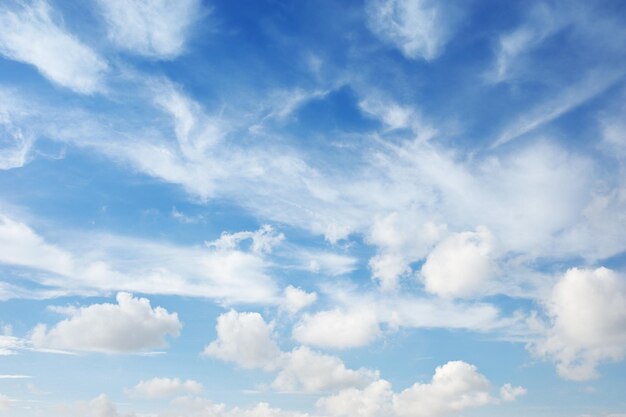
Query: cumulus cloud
[587,322]
[418,28]
[156,29]
[454,387]
[461,265]
[245,339]
[163,387]
[29,34]
[131,325]
[338,329]
[295,299]
[401,240]
[306,370]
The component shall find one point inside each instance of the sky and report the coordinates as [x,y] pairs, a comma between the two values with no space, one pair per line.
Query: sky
[312,208]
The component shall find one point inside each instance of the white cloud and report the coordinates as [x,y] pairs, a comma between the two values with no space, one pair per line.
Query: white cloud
[587,326]
[306,370]
[372,401]
[245,339]
[461,265]
[455,386]
[156,29]
[117,263]
[29,34]
[510,393]
[14,144]
[131,325]
[338,329]
[418,28]
[402,239]
[163,387]
[295,299]
[263,240]
[9,344]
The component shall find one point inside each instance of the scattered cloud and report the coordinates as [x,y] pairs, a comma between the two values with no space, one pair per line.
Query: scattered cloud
[586,322]
[129,326]
[454,387]
[461,265]
[245,339]
[295,299]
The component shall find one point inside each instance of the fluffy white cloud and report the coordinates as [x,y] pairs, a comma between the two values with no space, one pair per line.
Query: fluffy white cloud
[372,401]
[245,339]
[296,299]
[587,312]
[454,387]
[461,265]
[402,239]
[338,329]
[163,387]
[29,34]
[418,28]
[155,29]
[306,370]
[131,325]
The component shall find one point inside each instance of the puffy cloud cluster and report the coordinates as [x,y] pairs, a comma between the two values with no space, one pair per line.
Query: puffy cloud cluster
[246,340]
[587,322]
[29,34]
[131,325]
[454,387]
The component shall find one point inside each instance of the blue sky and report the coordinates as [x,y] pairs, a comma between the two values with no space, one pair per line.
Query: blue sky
[379,208]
